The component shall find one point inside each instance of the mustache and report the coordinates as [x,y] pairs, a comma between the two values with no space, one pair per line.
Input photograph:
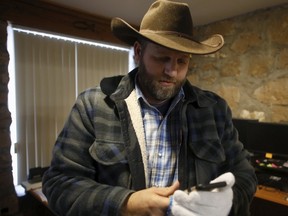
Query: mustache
[168,79]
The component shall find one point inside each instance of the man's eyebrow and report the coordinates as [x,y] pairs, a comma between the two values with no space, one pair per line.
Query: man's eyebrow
[164,52]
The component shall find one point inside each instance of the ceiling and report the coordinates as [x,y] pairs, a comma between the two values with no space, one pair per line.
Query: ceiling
[203,11]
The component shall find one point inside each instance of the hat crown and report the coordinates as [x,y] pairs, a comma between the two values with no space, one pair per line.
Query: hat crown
[168,16]
[169,24]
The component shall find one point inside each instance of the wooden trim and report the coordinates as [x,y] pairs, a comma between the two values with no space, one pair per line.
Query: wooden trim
[48,17]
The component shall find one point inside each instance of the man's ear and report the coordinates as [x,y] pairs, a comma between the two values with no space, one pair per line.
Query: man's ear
[137,52]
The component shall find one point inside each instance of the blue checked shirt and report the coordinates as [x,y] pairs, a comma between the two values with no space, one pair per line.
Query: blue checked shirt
[162,148]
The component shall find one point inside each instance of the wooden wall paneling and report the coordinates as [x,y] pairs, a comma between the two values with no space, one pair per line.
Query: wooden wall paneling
[48,17]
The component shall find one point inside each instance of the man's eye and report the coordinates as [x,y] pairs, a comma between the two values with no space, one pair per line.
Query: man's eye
[183,61]
[162,59]
[167,59]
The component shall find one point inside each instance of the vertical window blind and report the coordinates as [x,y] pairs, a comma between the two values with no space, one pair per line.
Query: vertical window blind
[49,74]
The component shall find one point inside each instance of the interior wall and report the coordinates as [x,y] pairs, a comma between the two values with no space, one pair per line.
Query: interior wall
[251,70]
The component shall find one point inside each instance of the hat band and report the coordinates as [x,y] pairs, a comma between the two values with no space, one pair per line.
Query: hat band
[177,34]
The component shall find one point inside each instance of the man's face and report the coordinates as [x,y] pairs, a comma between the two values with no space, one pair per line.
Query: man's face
[162,71]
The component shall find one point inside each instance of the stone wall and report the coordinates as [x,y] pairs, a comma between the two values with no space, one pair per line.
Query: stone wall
[8,198]
[251,70]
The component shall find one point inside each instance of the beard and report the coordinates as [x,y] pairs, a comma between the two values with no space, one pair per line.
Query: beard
[151,87]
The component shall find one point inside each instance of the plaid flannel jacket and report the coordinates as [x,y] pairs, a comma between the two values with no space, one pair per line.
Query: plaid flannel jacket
[97,159]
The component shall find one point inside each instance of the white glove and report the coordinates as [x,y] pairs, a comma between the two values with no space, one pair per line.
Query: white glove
[217,202]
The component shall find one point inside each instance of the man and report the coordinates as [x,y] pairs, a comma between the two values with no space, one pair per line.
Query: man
[137,144]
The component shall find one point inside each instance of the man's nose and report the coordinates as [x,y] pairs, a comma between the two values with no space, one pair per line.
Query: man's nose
[171,68]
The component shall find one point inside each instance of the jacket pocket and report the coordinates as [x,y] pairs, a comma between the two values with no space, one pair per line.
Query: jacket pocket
[111,163]
[108,153]
[208,150]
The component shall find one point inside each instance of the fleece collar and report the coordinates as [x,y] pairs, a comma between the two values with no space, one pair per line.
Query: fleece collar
[120,87]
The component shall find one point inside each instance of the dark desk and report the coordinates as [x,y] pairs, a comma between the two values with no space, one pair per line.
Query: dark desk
[34,203]
[269,201]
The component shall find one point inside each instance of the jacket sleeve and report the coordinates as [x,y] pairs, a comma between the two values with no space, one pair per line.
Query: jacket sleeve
[238,162]
[218,150]
[70,184]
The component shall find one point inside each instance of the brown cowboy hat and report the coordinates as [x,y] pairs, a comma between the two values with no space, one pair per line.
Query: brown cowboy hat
[167,23]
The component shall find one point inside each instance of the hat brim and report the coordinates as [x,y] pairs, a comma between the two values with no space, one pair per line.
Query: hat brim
[128,34]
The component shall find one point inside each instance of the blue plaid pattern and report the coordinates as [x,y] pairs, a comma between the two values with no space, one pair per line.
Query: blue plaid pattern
[162,147]
[97,162]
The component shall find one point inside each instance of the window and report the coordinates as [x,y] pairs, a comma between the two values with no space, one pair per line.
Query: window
[50,71]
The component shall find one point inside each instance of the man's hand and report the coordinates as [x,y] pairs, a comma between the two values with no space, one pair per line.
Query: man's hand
[152,201]
[217,202]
